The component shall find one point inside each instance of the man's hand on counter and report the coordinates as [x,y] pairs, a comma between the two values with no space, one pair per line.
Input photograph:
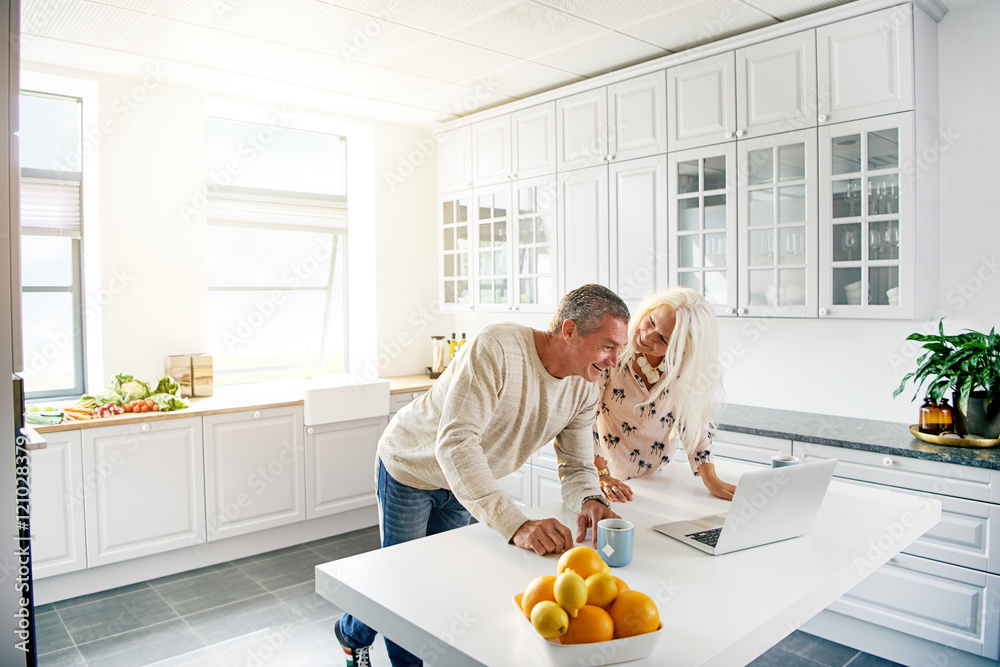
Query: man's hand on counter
[544,536]
[592,512]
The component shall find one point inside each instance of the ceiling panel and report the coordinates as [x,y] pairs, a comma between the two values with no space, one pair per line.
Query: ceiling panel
[451,61]
[254,18]
[77,21]
[523,79]
[138,5]
[459,100]
[173,40]
[614,13]
[527,29]
[357,36]
[391,86]
[601,54]
[783,10]
[281,62]
[431,15]
[700,23]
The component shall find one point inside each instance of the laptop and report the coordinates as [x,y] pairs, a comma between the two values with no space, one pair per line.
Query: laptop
[770,505]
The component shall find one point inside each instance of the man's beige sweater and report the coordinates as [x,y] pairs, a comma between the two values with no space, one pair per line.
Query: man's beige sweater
[491,409]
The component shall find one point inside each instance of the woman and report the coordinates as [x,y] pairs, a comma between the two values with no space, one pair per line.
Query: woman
[664,389]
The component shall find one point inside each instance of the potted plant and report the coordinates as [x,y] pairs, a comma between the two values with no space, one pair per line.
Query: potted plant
[968,365]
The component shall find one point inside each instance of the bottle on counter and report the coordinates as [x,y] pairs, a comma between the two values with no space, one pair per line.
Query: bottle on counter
[452,347]
[440,358]
[933,418]
[462,342]
[947,416]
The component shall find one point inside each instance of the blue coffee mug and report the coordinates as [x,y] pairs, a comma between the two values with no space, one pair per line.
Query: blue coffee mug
[782,460]
[614,541]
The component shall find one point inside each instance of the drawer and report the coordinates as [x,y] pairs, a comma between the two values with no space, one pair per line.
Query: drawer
[946,479]
[967,535]
[942,603]
[397,401]
[745,447]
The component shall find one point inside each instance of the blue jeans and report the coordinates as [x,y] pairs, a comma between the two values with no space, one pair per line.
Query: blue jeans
[406,514]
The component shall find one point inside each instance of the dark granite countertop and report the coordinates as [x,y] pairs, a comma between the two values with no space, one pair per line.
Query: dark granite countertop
[865,434]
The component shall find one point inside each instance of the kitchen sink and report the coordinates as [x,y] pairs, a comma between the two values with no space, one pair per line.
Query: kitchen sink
[342,397]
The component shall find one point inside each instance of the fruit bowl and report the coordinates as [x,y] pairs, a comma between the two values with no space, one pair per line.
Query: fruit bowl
[599,653]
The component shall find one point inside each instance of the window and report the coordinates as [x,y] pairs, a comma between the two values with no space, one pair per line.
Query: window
[51,234]
[276,251]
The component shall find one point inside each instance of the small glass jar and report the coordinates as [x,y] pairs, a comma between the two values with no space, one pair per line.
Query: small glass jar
[947,416]
[932,418]
[440,355]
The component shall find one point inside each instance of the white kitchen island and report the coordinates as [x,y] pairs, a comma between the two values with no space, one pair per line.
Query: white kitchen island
[447,598]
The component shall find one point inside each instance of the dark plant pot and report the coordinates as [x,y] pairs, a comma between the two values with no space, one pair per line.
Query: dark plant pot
[982,419]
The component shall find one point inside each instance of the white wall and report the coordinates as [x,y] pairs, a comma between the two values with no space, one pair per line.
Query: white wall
[851,368]
[152,255]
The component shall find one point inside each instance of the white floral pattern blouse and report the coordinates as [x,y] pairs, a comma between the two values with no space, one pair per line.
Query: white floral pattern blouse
[633,440]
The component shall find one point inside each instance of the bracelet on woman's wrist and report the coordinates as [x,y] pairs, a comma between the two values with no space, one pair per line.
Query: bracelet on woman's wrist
[602,472]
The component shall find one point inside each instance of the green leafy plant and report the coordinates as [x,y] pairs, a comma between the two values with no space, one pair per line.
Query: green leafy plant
[961,363]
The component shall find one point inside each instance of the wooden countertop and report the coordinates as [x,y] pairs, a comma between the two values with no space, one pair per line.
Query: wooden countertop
[236,398]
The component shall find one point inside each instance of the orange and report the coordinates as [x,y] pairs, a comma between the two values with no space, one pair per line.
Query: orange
[582,560]
[592,624]
[541,588]
[634,613]
[622,586]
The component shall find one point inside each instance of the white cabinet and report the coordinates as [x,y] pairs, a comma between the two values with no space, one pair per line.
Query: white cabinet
[545,486]
[944,586]
[515,243]
[454,149]
[59,542]
[637,118]
[517,485]
[491,161]
[623,121]
[144,489]
[455,251]
[638,227]
[533,141]
[340,466]
[776,85]
[778,225]
[583,228]
[702,184]
[867,219]
[253,470]
[865,65]
[582,130]
[747,447]
[701,102]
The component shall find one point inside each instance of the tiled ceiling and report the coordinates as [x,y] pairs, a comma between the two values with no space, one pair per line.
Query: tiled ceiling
[416,61]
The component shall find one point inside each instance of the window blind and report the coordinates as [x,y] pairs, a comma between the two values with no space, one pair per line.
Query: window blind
[278,210]
[50,207]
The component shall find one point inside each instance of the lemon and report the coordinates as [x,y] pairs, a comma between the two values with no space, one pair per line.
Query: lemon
[570,591]
[549,619]
[601,589]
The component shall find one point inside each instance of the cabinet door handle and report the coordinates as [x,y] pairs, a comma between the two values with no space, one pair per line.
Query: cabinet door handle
[729,311]
[887,461]
[514,175]
[729,135]
[741,311]
[256,414]
[309,430]
[822,119]
[145,427]
[740,133]
[824,312]
[611,157]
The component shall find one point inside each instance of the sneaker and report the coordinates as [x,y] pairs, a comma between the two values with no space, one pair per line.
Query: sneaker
[356,657]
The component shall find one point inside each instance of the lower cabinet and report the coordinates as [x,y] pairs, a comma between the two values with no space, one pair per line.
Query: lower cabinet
[517,485]
[59,543]
[944,588]
[748,448]
[254,471]
[143,488]
[340,465]
[545,486]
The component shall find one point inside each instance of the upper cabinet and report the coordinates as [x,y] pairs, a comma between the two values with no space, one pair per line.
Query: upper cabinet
[491,151]
[865,65]
[620,122]
[701,99]
[776,86]
[533,141]
[454,149]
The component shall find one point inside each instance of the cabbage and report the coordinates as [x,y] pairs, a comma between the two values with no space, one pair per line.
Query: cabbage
[168,402]
[167,385]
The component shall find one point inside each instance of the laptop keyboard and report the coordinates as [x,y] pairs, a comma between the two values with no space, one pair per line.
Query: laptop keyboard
[709,537]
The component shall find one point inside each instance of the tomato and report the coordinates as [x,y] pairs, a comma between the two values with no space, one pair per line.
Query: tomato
[149,403]
[155,408]
[128,408]
[145,408]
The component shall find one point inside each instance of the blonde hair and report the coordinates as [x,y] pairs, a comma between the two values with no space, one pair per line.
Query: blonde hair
[692,359]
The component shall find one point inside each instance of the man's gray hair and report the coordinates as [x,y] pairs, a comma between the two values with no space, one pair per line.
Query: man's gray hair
[588,306]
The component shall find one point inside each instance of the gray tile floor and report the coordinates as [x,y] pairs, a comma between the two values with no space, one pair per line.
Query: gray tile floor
[263,610]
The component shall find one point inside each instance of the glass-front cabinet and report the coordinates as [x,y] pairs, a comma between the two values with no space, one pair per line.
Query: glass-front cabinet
[703,237]
[778,222]
[513,261]
[866,218]
[455,269]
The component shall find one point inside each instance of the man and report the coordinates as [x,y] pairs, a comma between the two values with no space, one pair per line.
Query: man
[509,391]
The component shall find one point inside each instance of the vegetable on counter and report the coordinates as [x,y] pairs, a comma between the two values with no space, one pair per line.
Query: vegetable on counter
[128,388]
